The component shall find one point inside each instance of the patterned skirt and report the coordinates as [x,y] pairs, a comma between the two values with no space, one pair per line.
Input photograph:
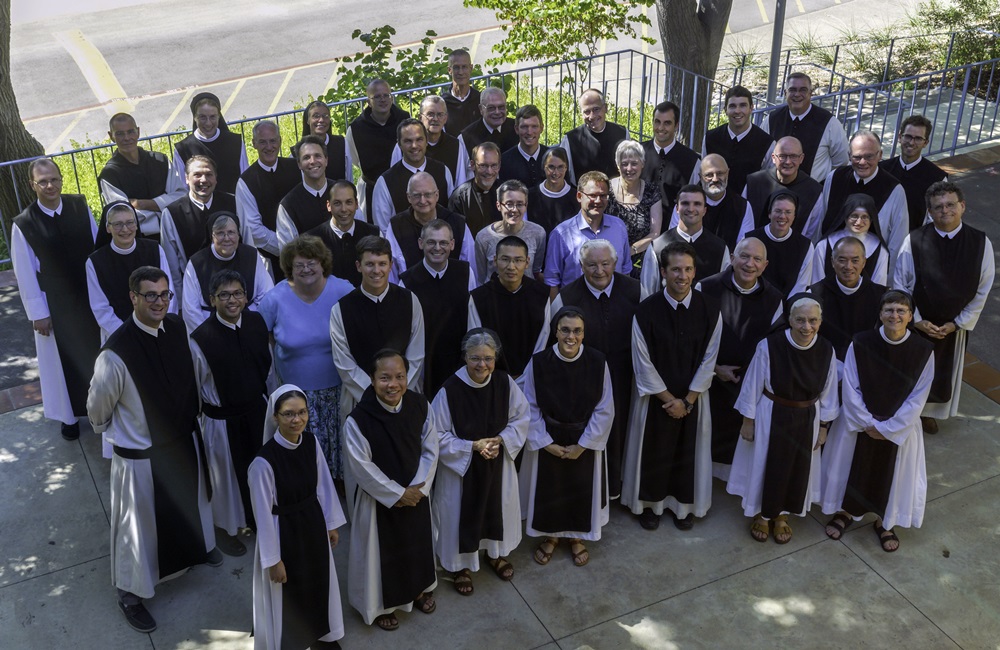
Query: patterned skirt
[324,423]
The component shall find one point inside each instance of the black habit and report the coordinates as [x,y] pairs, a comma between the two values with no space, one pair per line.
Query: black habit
[517,318]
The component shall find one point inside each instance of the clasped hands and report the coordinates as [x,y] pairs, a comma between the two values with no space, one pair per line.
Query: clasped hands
[569,452]
[488,448]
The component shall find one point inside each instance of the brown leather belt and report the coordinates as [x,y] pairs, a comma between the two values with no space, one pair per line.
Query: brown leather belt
[790,403]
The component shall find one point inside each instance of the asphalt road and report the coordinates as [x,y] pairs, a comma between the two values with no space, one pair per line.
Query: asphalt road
[74,64]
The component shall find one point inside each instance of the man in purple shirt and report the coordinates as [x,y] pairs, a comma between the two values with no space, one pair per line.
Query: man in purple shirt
[562,255]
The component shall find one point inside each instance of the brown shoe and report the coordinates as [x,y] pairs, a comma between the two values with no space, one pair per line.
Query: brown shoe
[930,425]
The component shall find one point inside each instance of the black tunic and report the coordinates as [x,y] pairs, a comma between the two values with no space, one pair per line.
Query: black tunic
[476,133]
[113,270]
[842,185]
[796,375]
[445,151]
[845,315]
[670,171]
[478,206]
[406,229]
[163,372]
[762,184]
[513,165]
[746,320]
[305,544]
[549,212]
[887,374]
[947,279]
[915,182]
[461,112]
[206,264]
[744,157]
[724,219]
[809,131]
[710,250]
[784,258]
[445,305]
[193,224]
[677,340]
[146,179]
[240,360]
[591,151]
[609,330]
[397,176]
[344,249]
[517,318]
[480,412]
[404,534]
[268,188]
[305,209]
[374,143]
[226,150]
[564,490]
[62,244]
[370,326]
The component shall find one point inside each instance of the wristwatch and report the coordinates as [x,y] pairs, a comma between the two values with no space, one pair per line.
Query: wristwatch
[688,406]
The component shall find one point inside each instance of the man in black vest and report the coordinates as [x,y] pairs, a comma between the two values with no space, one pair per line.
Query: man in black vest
[344,230]
[864,176]
[442,285]
[675,344]
[476,198]
[316,121]
[711,252]
[304,207]
[514,306]
[144,398]
[850,302]
[948,266]
[608,301]
[824,142]
[389,195]
[669,163]
[727,215]
[109,267]
[744,145]
[403,231]
[371,137]
[145,179]
[789,254]
[376,315]
[211,138]
[259,191]
[784,175]
[494,127]
[749,306]
[49,246]
[185,224]
[592,145]
[524,162]
[232,361]
[225,252]
[443,147]
[914,172]
[462,99]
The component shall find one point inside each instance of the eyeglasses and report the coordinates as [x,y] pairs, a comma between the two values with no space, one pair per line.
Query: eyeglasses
[867,157]
[859,217]
[575,331]
[435,116]
[477,360]
[288,416]
[45,182]
[380,97]
[785,157]
[225,234]
[510,205]
[597,196]
[496,109]
[123,225]
[151,297]
[224,296]
[301,266]
[782,213]
[488,166]
[912,138]
[422,196]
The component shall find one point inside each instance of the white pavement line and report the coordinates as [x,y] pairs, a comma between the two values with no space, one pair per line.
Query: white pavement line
[802,9]
[184,103]
[95,69]
[51,148]
[281,91]
[475,45]
[333,77]
[232,96]
[763,11]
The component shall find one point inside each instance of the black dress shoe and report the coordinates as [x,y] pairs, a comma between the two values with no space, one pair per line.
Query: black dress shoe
[214,557]
[649,519]
[687,523]
[138,617]
[930,425]
[71,431]
[229,544]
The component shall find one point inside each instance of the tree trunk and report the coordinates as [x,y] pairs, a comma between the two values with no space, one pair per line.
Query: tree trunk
[692,32]
[15,141]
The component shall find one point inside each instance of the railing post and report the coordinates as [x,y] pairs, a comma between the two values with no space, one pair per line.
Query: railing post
[951,45]
[961,109]
[833,68]
[888,61]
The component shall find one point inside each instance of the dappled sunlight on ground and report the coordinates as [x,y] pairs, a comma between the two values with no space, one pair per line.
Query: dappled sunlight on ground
[31,415]
[217,640]
[57,478]
[784,611]
[648,633]
[7,456]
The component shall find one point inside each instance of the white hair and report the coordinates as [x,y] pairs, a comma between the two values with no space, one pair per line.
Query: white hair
[596,244]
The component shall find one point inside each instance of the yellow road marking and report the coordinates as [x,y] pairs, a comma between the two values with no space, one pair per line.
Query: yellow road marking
[802,9]
[232,96]
[102,81]
[763,12]
[333,77]
[281,91]
[184,103]
[62,136]
[475,45]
